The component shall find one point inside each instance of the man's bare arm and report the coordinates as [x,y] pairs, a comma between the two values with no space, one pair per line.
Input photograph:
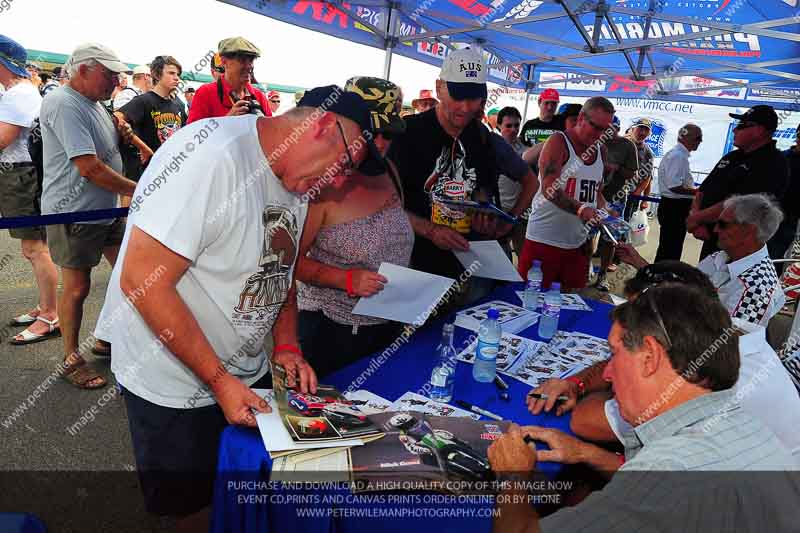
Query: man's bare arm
[551,164]
[105,177]
[530,184]
[8,134]
[157,300]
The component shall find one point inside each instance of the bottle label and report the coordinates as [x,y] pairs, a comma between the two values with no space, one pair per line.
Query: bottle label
[438,379]
[486,352]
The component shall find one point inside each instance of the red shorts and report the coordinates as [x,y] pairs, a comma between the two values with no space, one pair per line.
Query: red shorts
[568,267]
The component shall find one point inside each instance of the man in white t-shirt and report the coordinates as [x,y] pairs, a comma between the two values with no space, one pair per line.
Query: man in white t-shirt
[20,189]
[142,83]
[206,271]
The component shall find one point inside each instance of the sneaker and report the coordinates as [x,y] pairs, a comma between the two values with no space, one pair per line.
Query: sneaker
[602,284]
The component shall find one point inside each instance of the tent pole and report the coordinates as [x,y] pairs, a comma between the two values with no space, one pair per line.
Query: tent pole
[527,81]
[390,42]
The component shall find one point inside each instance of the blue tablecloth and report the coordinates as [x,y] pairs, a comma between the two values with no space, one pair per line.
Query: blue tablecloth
[241,505]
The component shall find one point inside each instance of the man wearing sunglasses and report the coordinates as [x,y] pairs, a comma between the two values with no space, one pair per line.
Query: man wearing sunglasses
[757,166]
[693,393]
[571,173]
[446,156]
[232,94]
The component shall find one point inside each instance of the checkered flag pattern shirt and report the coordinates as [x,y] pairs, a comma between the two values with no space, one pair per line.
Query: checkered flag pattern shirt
[760,282]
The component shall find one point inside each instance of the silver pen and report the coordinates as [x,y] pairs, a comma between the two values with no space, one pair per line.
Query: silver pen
[475,409]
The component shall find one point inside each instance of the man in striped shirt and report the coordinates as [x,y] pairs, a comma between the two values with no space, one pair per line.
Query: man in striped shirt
[674,360]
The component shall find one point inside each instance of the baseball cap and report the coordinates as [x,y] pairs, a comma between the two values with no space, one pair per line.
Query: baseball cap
[33,65]
[569,110]
[347,104]
[549,95]
[464,70]
[189,90]
[13,56]
[643,122]
[384,100]
[272,94]
[102,54]
[238,45]
[760,114]
[616,122]
[141,69]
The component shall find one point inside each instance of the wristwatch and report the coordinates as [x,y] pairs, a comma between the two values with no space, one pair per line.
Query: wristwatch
[579,382]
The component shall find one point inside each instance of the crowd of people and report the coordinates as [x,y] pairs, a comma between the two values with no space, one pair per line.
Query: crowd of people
[246,224]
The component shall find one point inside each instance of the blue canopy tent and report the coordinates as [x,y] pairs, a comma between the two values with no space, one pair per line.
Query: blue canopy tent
[721,52]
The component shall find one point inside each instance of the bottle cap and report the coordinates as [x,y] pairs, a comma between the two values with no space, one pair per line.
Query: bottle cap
[448,328]
[537,263]
[555,285]
[493,313]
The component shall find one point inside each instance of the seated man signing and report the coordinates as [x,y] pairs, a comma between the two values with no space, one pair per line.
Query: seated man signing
[677,395]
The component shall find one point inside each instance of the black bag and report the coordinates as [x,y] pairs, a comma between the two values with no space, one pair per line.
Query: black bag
[36,150]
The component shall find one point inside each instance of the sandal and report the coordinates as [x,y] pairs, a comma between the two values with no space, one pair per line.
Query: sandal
[24,320]
[29,338]
[102,348]
[81,375]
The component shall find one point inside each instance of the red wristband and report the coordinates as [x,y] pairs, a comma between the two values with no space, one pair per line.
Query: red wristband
[349,284]
[288,348]
[579,382]
[621,458]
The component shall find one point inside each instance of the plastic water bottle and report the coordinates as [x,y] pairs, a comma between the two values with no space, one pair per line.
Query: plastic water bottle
[485,367]
[443,375]
[533,287]
[548,322]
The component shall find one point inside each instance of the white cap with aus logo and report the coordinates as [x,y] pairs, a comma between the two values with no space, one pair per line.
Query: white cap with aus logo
[465,72]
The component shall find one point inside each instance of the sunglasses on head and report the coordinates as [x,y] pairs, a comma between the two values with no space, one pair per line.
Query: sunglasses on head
[653,277]
[647,296]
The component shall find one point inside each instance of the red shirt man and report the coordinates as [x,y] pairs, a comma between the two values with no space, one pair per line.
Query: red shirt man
[231,93]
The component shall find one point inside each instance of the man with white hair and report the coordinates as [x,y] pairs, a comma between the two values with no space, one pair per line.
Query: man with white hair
[676,185]
[142,82]
[742,271]
[82,172]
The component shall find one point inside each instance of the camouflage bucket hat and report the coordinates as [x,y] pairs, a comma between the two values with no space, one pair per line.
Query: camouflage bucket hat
[384,100]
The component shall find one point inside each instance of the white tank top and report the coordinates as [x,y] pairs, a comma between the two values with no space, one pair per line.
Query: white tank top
[548,223]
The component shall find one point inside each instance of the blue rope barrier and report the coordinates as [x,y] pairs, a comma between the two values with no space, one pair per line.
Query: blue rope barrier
[62,218]
[655,199]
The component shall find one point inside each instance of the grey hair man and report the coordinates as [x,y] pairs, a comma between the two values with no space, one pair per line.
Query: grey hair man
[142,83]
[742,271]
[676,186]
[82,172]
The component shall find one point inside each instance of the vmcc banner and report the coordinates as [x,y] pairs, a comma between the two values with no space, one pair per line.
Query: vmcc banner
[668,118]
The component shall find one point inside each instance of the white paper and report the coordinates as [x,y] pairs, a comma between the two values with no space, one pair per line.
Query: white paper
[569,301]
[409,296]
[492,261]
[616,300]
[411,401]
[512,318]
[512,347]
[275,436]
[367,402]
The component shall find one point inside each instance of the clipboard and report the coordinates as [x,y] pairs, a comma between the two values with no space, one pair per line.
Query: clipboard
[477,207]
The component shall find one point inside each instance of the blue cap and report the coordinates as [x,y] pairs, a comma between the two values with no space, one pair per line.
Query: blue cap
[537,263]
[555,285]
[13,56]
[493,313]
[615,121]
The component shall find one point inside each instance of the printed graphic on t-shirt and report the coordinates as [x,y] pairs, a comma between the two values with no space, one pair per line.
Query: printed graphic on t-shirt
[265,291]
[451,179]
[166,124]
[537,135]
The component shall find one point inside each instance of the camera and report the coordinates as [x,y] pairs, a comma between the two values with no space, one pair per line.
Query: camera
[253,106]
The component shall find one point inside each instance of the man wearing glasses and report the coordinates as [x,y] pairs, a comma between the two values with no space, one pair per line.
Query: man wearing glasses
[82,172]
[232,94]
[571,173]
[274,98]
[757,166]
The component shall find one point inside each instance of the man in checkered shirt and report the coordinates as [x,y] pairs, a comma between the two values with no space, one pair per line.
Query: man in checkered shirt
[742,271]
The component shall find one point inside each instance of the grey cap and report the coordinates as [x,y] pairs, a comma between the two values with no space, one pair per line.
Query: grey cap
[102,54]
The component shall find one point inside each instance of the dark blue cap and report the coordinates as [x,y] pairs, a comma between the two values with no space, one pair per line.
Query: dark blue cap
[336,100]
[13,56]
[349,105]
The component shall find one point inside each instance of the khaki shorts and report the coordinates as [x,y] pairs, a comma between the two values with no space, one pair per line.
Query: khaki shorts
[81,246]
[19,197]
